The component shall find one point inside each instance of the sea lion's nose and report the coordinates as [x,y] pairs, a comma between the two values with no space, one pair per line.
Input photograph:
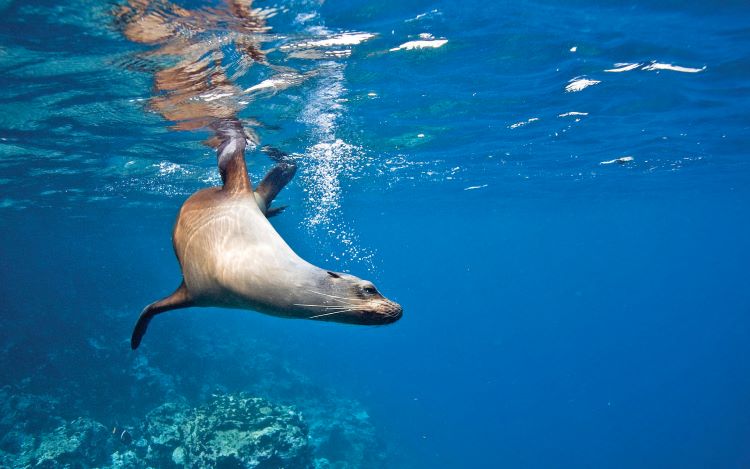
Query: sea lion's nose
[392,313]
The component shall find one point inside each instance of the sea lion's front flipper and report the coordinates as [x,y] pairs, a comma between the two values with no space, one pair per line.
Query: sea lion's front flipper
[179,299]
[278,177]
[272,212]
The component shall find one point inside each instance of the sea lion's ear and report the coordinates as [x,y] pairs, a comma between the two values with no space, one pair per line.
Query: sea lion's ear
[179,299]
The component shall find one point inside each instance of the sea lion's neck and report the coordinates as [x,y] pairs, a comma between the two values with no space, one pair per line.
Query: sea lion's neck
[291,288]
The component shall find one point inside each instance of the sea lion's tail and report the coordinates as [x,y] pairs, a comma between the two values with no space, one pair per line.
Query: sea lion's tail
[179,299]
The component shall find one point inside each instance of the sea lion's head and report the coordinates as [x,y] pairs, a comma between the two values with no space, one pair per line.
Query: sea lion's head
[346,298]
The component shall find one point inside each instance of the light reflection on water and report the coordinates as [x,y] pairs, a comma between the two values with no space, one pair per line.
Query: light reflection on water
[392,97]
[114,116]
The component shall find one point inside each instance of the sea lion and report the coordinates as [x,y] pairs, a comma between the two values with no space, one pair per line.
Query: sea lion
[231,256]
[229,253]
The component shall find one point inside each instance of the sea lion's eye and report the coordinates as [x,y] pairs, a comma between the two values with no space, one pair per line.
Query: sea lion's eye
[369,290]
[333,274]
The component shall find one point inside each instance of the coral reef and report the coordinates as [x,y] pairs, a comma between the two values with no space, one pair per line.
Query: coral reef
[33,436]
[236,431]
[151,409]
[229,431]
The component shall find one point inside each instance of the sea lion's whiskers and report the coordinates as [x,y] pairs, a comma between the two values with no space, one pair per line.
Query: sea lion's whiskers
[326,306]
[328,295]
[334,296]
[329,314]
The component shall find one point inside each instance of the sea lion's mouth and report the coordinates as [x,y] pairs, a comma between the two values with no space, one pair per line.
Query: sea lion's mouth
[393,312]
[386,312]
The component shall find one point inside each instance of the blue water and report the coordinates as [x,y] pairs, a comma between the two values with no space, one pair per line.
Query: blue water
[561,308]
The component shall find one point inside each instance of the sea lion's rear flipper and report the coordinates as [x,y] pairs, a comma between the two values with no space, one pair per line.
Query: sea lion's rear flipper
[179,299]
[275,180]
[230,141]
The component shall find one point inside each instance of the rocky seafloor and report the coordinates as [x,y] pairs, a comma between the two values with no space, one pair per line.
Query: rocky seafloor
[89,402]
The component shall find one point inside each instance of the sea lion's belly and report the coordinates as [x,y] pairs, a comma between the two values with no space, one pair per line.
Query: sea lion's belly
[229,252]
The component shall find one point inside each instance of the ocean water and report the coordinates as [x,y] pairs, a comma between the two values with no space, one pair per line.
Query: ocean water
[557,193]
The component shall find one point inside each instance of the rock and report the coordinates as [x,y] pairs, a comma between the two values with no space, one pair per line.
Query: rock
[162,426]
[28,413]
[342,435]
[178,456]
[32,434]
[127,459]
[80,443]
